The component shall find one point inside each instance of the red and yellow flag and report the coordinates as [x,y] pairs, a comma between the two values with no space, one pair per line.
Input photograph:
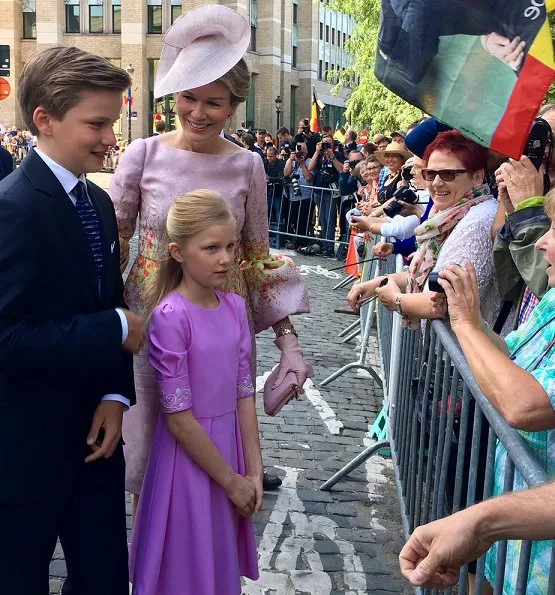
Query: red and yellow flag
[314,113]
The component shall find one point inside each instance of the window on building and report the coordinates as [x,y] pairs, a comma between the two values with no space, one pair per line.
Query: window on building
[73,16]
[327,32]
[96,16]
[29,19]
[333,35]
[253,9]
[116,16]
[154,9]
[344,39]
[321,31]
[176,10]
[326,71]
[320,69]
[295,13]
[294,57]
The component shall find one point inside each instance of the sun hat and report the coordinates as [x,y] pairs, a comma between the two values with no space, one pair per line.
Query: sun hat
[392,148]
[200,47]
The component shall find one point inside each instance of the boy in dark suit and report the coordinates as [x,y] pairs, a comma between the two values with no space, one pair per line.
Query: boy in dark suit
[66,337]
[6,163]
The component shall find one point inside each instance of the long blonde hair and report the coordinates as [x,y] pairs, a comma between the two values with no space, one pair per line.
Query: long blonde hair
[191,214]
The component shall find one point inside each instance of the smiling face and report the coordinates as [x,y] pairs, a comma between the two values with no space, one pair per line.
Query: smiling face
[79,140]
[447,194]
[203,111]
[371,172]
[207,257]
[394,161]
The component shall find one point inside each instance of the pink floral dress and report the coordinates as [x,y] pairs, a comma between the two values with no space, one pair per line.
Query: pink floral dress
[149,177]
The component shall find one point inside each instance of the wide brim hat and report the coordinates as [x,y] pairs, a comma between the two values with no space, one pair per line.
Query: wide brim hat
[200,47]
[392,148]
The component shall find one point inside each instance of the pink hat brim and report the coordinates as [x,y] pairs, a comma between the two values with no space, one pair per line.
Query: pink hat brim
[200,47]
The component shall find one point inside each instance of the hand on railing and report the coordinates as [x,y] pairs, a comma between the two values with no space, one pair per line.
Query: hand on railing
[461,290]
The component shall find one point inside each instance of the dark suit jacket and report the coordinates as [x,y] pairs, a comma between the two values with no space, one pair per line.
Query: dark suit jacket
[60,341]
[6,163]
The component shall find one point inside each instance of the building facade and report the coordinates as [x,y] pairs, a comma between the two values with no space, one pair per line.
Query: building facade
[294,44]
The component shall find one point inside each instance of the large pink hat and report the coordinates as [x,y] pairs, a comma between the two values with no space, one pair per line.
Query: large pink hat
[200,47]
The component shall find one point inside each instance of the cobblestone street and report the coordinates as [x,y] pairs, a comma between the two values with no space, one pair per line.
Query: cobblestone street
[310,542]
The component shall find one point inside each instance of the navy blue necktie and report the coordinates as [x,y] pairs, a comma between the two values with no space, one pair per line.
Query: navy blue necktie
[91,225]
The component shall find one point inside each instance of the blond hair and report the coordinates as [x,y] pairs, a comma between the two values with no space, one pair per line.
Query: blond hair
[549,204]
[238,81]
[56,77]
[191,214]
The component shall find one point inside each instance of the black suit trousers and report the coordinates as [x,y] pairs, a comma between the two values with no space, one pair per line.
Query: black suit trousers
[91,523]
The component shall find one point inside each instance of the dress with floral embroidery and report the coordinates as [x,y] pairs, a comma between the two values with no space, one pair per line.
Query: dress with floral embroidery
[188,537]
[149,177]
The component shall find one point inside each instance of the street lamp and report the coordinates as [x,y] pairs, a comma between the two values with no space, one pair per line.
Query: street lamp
[130,71]
[278,101]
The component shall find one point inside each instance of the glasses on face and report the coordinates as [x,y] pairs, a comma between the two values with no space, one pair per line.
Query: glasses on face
[373,170]
[447,175]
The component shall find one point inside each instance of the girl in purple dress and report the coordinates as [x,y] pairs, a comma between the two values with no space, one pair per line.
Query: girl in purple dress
[193,533]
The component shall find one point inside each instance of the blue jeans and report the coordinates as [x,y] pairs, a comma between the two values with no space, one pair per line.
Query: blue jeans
[328,207]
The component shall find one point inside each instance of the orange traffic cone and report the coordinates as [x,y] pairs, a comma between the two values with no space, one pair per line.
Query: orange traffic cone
[351,264]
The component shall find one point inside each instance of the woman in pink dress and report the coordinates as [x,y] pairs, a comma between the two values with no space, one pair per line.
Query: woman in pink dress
[202,64]
[193,533]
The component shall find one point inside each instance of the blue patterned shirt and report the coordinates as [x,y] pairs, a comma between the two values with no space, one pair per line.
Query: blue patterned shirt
[532,347]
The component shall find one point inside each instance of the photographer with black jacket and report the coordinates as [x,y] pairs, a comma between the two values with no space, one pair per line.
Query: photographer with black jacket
[326,166]
[277,203]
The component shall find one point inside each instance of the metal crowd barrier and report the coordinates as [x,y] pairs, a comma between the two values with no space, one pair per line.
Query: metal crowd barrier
[443,434]
[369,271]
[305,215]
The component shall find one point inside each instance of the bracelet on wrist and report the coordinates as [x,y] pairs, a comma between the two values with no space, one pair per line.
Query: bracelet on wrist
[288,329]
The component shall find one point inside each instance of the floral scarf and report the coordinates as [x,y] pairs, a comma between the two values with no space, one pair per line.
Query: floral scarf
[431,236]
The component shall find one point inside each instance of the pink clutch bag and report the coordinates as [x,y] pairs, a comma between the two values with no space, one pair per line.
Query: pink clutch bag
[276,398]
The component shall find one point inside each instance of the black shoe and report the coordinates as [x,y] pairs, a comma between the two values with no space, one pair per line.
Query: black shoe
[270,482]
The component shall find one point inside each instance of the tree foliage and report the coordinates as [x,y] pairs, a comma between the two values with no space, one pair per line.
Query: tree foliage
[370,105]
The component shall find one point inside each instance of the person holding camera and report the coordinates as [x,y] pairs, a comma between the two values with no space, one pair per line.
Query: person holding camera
[277,203]
[457,231]
[404,213]
[519,270]
[326,166]
[296,170]
[305,135]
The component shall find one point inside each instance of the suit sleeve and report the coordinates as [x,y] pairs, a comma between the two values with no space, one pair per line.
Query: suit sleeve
[28,344]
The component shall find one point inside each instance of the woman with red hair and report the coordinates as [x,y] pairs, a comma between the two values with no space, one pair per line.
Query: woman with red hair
[458,231]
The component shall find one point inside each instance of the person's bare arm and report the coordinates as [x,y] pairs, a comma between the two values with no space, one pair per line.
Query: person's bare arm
[246,413]
[198,445]
[435,552]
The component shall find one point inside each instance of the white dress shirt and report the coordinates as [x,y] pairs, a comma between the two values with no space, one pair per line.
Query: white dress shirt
[68,180]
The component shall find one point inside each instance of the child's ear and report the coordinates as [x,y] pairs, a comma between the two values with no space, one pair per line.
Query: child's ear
[43,121]
[175,252]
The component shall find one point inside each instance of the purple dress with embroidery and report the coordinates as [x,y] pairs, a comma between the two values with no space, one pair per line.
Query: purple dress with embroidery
[188,538]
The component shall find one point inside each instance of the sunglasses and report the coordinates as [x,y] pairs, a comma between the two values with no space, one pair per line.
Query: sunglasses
[447,175]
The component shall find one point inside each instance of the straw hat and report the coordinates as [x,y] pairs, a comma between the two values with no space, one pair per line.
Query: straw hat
[200,47]
[392,148]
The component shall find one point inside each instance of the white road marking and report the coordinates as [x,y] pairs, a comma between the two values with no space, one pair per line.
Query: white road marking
[334,425]
[281,578]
